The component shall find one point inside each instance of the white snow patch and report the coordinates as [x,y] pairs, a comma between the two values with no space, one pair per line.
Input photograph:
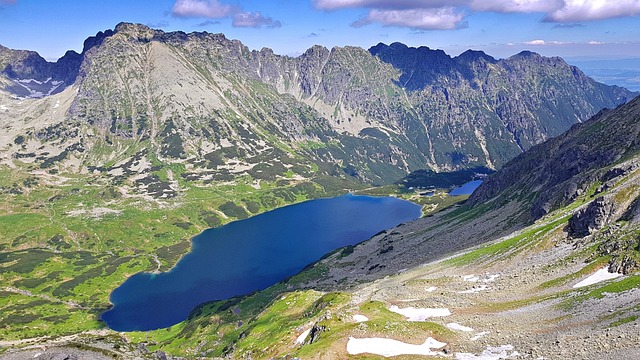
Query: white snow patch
[390,347]
[431,289]
[491,353]
[57,105]
[303,336]
[470,278]
[360,318]
[479,335]
[420,314]
[4,108]
[475,289]
[490,278]
[27,81]
[458,327]
[600,275]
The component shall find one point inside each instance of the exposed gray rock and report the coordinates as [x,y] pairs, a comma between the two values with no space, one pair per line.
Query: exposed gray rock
[597,214]
[314,334]
[55,353]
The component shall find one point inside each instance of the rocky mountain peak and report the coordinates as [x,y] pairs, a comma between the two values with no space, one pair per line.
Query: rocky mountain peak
[139,32]
[96,40]
[475,55]
[316,51]
[526,54]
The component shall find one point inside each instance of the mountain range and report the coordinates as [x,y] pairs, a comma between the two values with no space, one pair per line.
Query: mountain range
[372,115]
[112,159]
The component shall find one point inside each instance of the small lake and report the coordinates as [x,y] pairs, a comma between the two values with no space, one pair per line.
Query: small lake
[251,254]
[466,189]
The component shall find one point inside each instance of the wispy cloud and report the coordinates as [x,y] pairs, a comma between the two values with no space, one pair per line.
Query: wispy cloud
[208,23]
[254,20]
[449,14]
[215,9]
[567,26]
[424,19]
[158,25]
[515,6]
[386,4]
[540,42]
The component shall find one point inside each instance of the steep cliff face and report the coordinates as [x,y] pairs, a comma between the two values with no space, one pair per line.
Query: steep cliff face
[371,115]
[556,172]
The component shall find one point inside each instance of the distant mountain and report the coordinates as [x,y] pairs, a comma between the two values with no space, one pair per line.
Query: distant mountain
[204,100]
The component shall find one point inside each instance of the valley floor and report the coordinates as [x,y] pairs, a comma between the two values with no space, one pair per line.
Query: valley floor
[510,299]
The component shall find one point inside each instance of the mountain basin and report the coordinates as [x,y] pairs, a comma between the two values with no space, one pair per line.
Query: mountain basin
[251,254]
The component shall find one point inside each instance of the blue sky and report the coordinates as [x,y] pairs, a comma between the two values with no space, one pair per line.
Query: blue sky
[593,29]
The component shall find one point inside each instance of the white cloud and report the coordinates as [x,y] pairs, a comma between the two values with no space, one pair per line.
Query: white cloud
[423,14]
[426,19]
[543,42]
[511,6]
[587,10]
[214,9]
[592,42]
[254,20]
[201,8]
[387,4]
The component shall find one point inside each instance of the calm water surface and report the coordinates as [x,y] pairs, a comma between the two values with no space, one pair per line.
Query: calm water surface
[466,189]
[251,254]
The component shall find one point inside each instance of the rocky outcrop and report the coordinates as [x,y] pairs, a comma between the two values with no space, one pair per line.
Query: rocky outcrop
[592,218]
[314,334]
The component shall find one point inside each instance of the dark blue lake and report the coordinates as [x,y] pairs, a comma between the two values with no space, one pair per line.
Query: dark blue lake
[251,254]
[466,189]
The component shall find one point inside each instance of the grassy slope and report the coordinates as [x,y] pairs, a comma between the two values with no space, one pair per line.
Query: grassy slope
[57,269]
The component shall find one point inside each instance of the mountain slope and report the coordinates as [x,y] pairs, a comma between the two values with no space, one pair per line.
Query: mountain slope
[572,162]
[377,114]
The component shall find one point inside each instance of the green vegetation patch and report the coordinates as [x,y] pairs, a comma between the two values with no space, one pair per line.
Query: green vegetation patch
[509,245]
[625,284]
